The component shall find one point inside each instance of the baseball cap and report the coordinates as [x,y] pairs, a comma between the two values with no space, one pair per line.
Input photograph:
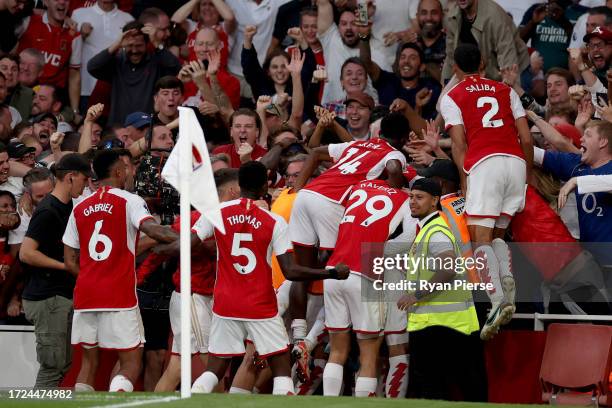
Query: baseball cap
[43,116]
[74,162]
[443,168]
[427,185]
[137,119]
[599,32]
[362,98]
[16,150]
[571,132]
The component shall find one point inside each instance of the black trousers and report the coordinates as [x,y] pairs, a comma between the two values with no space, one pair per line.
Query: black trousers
[447,365]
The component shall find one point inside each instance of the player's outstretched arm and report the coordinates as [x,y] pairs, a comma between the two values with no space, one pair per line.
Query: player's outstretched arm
[315,157]
[161,233]
[459,147]
[173,248]
[526,142]
[71,260]
[295,272]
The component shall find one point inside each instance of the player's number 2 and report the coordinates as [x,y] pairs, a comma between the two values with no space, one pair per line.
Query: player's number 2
[487,119]
[370,205]
[98,238]
[237,250]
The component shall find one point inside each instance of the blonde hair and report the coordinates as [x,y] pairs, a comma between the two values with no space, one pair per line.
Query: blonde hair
[547,186]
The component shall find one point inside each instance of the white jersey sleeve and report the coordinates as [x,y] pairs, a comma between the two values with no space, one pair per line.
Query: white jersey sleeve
[336,149]
[594,183]
[538,155]
[517,107]
[75,55]
[137,210]
[396,155]
[71,234]
[450,112]
[280,237]
[204,228]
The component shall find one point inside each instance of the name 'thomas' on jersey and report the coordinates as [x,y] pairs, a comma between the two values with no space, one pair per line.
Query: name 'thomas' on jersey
[104,226]
[373,211]
[243,287]
[353,162]
[487,110]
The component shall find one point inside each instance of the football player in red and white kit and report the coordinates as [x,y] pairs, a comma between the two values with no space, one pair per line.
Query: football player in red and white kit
[491,142]
[244,299]
[317,210]
[105,226]
[373,212]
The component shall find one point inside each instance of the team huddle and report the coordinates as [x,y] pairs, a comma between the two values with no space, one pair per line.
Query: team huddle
[264,300]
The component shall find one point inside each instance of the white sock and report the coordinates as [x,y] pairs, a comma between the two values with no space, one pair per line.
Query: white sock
[397,378]
[332,379]
[365,386]
[82,387]
[316,376]
[120,383]
[236,390]
[299,329]
[283,386]
[489,273]
[205,383]
[315,332]
[502,252]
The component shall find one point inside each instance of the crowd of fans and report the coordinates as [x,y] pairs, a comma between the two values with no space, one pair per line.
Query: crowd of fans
[270,80]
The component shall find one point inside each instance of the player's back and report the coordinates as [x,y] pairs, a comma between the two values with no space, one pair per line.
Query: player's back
[488,111]
[373,212]
[243,288]
[353,162]
[107,225]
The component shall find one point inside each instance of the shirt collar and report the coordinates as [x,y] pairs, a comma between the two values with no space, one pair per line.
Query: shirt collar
[427,219]
[101,12]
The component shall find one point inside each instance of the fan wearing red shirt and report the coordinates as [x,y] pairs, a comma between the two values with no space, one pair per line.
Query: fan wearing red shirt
[491,142]
[244,299]
[373,212]
[318,209]
[60,45]
[245,129]
[99,246]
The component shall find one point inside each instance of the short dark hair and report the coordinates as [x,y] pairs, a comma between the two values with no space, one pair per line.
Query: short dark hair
[308,11]
[103,162]
[14,58]
[603,10]
[562,72]
[394,126]
[352,60]
[224,176]
[168,82]
[36,175]
[252,176]
[150,15]
[136,25]
[246,112]
[401,49]
[468,58]
[10,195]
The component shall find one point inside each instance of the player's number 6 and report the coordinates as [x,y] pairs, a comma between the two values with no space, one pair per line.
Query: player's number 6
[96,238]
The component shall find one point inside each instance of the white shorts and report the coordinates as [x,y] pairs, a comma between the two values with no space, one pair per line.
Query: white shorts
[314,221]
[345,307]
[495,191]
[227,336]
[201,317]
[396,321]
[121,330]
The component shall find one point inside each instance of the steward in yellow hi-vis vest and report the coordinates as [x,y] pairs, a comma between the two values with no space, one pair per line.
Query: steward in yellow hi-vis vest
[445,351]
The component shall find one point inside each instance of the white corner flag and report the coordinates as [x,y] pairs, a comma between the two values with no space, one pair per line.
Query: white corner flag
[188,169]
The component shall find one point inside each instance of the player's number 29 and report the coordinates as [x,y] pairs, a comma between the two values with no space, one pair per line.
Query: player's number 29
[487,119]
[98,238]
[375,213]
[237,250]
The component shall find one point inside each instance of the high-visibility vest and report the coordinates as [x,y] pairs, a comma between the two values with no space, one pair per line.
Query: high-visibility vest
[453,309]
[453,214]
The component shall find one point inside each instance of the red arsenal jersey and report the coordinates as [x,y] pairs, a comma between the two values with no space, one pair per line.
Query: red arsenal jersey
[353,162]
[373,211]
[104,226]
[243,289]
[487,110]
[60,46]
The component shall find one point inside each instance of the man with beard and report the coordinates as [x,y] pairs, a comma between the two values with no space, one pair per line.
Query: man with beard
[432,39]
[599,46]
[61,46]
[19,96]
[44,126]
[46,100]
[132,71]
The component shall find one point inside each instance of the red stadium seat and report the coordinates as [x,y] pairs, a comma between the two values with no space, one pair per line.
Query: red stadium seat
[576,365]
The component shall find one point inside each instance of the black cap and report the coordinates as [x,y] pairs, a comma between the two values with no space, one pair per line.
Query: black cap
[443,168]
[428,186]
[74,162]
[16,150]
[43,116]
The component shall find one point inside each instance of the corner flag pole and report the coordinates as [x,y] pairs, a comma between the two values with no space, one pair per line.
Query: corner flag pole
[185,170]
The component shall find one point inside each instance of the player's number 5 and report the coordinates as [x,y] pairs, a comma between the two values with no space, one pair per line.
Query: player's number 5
[237,250]
[96,238]
[487,119]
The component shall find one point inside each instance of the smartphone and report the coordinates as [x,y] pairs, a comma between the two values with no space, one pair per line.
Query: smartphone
[362,11]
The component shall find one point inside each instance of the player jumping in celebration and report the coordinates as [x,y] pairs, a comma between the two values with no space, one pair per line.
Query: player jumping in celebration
[106,226]
[244,300]
[491,142]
